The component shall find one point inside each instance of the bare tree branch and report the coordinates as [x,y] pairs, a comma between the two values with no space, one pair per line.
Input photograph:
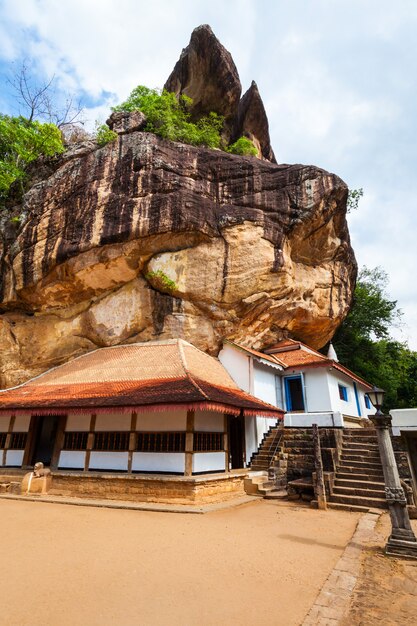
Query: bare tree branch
[39,99]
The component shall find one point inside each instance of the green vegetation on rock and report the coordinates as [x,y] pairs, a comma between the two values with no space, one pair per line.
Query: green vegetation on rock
[161,280]
[104,135]
[21,142]
[243,146]
[170,118]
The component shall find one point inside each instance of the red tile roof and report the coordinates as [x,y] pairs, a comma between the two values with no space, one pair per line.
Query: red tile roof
[154,374]
[296,355]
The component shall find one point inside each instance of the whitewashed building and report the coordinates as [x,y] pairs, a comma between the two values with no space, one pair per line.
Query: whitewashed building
[156,407]
[310,387]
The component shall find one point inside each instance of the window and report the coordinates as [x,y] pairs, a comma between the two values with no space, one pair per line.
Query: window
[111,442]
[208,442]
[367,402]
[18,441]
[75,441]
[343,393]
[161,442]
[294,395]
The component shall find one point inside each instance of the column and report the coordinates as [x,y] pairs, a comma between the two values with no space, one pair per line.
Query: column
[189,444]
[402,541]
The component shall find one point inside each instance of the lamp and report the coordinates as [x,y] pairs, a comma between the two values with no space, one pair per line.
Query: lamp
[376,396]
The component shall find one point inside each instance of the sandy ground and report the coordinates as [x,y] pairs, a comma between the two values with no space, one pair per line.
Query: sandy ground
[386,592]
[259,564]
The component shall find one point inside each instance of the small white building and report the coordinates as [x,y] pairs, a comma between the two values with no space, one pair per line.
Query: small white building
[310,387]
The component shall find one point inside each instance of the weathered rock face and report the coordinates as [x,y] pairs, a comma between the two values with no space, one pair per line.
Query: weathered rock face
[206,73]
[252,122]
[146,239]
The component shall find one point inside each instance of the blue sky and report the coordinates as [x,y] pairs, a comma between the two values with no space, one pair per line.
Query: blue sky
[338,78]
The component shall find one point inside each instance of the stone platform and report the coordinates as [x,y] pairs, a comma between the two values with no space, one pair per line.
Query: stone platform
[156,488]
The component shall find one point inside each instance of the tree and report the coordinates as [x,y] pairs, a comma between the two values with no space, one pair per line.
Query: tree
[21,142]
[364,344]
[39,100]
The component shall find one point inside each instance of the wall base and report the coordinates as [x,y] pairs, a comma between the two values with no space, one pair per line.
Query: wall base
[164,489]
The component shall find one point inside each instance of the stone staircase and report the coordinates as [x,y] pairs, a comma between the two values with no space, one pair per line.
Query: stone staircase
[268,467]
[359,480]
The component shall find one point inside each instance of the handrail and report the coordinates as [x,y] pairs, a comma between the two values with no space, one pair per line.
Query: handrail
[279,434]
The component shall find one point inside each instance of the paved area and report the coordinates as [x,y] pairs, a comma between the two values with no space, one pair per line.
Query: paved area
[261,563]
[134,506]
[333,600]
[386,591]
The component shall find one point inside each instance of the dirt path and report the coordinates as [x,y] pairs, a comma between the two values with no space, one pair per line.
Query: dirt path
[386,592]
[258,564]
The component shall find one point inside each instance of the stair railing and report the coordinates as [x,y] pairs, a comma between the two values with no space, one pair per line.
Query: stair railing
[275,445]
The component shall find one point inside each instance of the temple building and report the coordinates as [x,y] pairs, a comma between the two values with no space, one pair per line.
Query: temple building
[157,407]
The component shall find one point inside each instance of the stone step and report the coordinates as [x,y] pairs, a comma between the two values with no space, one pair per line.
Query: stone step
[349,474]
[298,444]
[365,458]
[343,507]
[379,503]
[359,431]
[362,439]
[352,443]
[360,451]
[365,464]
[357,491]
[361,484]
[259,465]
[276,494]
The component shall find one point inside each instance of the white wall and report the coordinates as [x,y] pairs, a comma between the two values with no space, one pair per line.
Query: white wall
[4,423]
[71,459]
[306,420]
[250,436]
[77,423]
[264,383]
[108,461]
[349,407]
[159,462]
[317,393]
[403,420]
[209,422]
[237,364]
[208,461]
[14,457]
[162,421]
[21,424]
[112,422]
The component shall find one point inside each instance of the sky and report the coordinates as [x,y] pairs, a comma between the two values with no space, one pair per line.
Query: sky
[338,79]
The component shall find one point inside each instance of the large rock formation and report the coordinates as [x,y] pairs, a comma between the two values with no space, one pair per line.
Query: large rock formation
[206,73]
[145,239]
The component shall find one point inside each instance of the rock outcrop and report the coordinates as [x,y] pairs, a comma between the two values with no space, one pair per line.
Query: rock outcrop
[206,73]
[145,239]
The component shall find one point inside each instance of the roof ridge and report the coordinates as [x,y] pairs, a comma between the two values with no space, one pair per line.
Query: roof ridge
[188,374]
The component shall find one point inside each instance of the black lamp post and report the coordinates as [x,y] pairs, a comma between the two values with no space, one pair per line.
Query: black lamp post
[402,541]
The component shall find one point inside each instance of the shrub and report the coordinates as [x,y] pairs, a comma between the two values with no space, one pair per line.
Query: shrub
[104,135]
[21,142]
[162,280]
[243,146]
[170,118]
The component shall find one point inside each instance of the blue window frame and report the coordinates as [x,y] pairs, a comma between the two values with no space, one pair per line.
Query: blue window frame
[294,393]
[343,393]
[358,404]
[367,402]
